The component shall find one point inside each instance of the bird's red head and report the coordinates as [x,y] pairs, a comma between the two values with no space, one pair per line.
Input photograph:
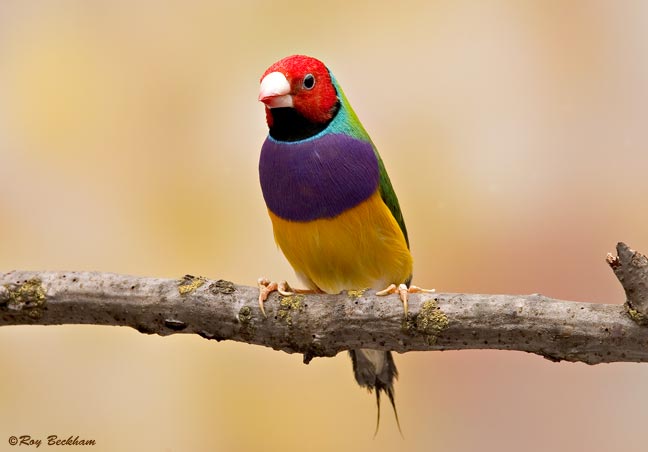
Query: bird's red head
[302,83]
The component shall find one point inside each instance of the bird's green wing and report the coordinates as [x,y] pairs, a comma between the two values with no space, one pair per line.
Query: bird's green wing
[389,197]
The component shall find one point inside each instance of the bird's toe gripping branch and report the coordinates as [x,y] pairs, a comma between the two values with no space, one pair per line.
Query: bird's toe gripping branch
[266,287]
[403,291]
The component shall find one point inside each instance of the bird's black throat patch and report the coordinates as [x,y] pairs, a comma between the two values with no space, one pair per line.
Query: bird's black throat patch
[289,125]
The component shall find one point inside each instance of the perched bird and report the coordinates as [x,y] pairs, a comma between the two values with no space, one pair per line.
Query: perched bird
[334,212]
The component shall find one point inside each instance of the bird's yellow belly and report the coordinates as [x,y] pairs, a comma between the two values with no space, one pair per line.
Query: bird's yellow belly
[362,247]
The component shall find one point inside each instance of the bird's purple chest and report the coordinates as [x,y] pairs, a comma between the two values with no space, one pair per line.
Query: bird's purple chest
[318,178]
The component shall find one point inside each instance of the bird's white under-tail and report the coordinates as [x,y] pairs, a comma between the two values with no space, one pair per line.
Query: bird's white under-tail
[375,370]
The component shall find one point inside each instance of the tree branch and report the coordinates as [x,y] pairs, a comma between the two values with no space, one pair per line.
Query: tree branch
[323,325]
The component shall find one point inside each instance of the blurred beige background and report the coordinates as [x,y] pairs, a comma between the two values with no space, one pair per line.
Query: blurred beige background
[514,133]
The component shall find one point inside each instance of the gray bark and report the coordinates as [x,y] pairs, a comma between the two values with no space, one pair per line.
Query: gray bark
[323,325]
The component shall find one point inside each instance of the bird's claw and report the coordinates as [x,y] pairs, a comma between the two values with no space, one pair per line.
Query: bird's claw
[266,287]
[403,291]
[284,289]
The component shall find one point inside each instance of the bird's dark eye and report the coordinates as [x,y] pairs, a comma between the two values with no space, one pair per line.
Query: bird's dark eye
[309,81]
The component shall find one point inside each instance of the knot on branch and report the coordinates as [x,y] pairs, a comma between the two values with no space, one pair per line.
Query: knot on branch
[631,269]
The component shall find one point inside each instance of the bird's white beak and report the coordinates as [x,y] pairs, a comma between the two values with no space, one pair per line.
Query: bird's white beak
[275,91]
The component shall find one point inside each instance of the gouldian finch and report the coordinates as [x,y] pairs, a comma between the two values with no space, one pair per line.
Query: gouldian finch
[333,210]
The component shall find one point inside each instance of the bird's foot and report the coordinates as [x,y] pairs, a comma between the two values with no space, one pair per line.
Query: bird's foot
[266,287]
[403,291]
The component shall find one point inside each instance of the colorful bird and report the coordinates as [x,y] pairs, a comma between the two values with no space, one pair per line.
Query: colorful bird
[334,212]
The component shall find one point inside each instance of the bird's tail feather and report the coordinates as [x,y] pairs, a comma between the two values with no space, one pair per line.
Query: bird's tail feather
[375,369]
